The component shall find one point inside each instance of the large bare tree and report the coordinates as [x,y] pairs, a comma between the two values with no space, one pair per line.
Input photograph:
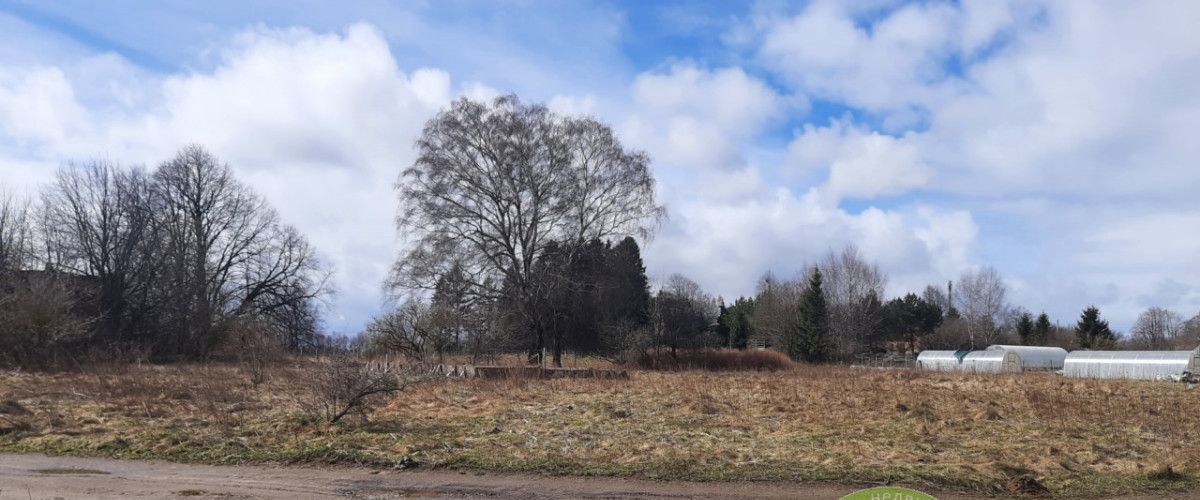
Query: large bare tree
[854,288]
[495,183]
[682,312]
[98,221]
[1157,328]
[229,255]
[1189,338]
[777,309]
[981,299]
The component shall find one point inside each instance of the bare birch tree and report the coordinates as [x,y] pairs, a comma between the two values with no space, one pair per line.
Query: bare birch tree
[776,310]
[1157,329]
[854,287]
[493,184]
[980,299]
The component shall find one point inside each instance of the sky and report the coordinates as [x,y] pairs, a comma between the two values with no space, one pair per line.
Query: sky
[1055,141]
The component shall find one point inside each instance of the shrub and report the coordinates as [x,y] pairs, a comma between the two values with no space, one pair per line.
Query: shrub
[40,321]
[347,383]
[716,360]
[253,344]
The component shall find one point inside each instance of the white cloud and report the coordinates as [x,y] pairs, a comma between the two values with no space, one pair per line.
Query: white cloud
[861,163]
[891,66]
[697,118]
[726,245]
[38,107]
[729,223]
[1099,102]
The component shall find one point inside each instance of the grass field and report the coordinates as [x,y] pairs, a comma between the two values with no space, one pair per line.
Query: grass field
[974,433]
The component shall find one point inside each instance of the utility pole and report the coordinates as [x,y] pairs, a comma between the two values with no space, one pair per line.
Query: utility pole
[949,296]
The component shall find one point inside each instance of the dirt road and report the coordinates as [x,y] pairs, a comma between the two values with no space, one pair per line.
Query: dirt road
[40,477]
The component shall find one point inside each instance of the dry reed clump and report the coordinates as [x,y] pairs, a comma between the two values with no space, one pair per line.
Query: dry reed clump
[716,360]
[1004,434]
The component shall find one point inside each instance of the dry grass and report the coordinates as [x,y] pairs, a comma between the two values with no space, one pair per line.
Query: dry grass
[716,360]
[975,433]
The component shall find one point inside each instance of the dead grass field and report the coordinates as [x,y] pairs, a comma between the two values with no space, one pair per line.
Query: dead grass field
[973,433]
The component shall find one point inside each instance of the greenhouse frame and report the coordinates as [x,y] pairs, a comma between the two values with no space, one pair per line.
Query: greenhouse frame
[1144,365]
[986,361]
[1036,357]
[940,361]
[992,361]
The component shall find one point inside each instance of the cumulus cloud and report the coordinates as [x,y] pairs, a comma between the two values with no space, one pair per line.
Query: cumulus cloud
[699,118]
[38,107]
[861,163]
[733,218]
[892,65]
[726,245]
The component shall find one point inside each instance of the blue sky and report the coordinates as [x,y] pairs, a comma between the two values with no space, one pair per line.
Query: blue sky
[1051,140]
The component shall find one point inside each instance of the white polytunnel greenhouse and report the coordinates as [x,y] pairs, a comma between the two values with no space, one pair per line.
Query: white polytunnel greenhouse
[1036,357]
[989,361]
[940,361]
[1147,365]
[992,361]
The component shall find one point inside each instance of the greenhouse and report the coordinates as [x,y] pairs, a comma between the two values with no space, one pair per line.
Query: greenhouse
[1036,357]
[1146,365]
[940,361]
[991,361]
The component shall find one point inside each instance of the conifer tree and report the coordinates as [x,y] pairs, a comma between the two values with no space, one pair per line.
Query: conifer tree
[737,320]
[810,341]
[1025,329]
[723,319]
[1041,329]
[1092,332]
[910,316]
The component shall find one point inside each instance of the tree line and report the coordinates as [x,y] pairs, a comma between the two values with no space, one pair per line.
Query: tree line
[970,313]
[522,231]
[523,226]
[173,262]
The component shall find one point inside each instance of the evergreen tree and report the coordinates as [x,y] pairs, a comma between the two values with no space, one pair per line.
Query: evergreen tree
[1041,329]
[1092,332]
[628,285]
[587,290]
[910,316]
[810,341]
[738,321]
[723,319]
[1025,329]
